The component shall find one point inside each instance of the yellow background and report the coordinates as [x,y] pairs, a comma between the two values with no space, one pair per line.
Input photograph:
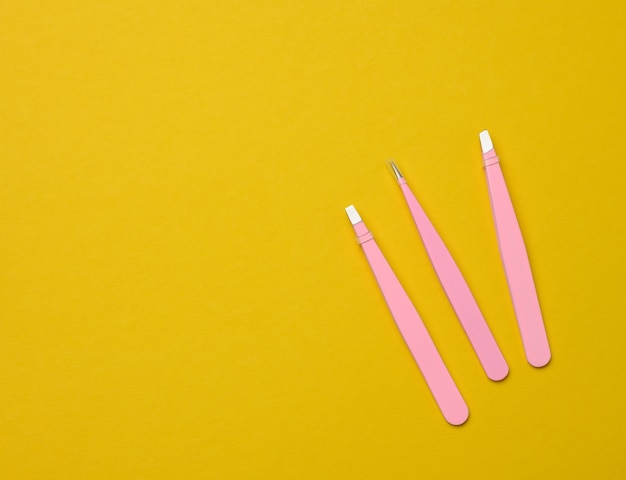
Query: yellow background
[181,293]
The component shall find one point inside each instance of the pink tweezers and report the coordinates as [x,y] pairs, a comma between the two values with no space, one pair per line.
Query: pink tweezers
[430,363]
[456,288]
[515,260]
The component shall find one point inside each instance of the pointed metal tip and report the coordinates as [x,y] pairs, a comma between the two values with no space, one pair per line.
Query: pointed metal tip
[395,170]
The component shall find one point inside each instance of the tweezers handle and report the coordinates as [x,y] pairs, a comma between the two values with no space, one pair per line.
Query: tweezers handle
[516,266]
[417,338]
[458,291]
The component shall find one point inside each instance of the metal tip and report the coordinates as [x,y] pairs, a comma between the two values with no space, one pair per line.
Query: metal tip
[485,141]
[353,215]
[396,171]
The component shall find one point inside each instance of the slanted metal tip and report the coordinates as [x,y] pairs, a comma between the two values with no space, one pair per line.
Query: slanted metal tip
[485,141]
[353,215]
[395,170]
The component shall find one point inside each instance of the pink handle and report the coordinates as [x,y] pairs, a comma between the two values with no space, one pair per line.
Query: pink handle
[430,363]
[516,266]
[458,292]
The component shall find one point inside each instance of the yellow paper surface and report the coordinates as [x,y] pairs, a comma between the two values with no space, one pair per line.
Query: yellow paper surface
[181,294]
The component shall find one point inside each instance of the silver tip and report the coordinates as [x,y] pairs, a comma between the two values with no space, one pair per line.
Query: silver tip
[396,171]
[353,215]
[485,141]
